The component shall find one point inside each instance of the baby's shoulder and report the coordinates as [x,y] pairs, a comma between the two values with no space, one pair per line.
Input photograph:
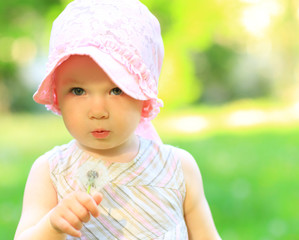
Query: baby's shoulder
[57,155]
[181,154]
[189,165]
[47,161]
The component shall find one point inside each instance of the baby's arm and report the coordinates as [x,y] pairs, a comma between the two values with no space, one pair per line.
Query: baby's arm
[198,216]
[42,216]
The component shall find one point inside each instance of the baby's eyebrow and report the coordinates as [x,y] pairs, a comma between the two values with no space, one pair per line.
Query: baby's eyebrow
[74,81]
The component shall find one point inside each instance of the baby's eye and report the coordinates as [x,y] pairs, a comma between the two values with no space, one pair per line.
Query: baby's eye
[78,91]
[116,91]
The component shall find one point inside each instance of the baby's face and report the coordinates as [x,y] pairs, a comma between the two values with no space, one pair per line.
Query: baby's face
[95,111]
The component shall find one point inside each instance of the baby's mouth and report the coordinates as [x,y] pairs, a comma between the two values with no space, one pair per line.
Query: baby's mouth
[100,134]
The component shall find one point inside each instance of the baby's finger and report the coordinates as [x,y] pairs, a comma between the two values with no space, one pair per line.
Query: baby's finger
[63,226]
[98,197]
[80,211]
[89,203]
[74,220]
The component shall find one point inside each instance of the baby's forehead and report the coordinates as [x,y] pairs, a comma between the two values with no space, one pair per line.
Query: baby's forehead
[79,65]
[81,70]
[77,61]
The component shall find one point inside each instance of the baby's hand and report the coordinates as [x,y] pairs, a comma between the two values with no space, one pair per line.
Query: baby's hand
[74,210]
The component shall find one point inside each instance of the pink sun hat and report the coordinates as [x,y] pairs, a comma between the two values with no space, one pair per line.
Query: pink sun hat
[123,37]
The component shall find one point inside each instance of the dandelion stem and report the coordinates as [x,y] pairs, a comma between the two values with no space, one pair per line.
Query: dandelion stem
[88,189]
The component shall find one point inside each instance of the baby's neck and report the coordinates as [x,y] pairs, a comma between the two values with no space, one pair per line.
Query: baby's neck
[121,154]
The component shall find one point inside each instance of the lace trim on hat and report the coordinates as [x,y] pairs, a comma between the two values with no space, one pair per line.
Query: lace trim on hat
[125,55]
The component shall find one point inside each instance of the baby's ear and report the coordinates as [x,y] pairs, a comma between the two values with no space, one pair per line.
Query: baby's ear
[146,109]
[55,101]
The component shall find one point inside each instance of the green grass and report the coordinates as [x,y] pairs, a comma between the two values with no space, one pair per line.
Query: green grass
[250,175]
[250,181]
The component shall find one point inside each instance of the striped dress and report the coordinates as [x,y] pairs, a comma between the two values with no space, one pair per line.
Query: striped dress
[143,199]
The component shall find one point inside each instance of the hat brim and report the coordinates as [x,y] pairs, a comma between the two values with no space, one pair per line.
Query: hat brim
[117,72]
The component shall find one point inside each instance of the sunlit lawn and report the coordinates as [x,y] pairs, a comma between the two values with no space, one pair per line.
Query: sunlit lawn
[250,174]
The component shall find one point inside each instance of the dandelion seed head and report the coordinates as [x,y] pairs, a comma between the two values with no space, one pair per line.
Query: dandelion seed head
[92,175]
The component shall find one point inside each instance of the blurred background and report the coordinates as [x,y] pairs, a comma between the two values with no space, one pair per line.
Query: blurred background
[230,84]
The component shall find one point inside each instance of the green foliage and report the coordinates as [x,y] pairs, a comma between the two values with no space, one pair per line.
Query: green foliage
[215,51]
[222,84]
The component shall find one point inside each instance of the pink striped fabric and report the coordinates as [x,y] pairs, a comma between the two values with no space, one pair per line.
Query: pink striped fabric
[143,199]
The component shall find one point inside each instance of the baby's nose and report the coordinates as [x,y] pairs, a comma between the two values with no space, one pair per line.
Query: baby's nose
[98,108]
